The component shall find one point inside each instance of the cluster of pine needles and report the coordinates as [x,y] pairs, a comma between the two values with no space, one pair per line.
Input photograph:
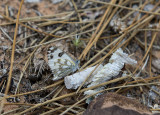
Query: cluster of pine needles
[94,41]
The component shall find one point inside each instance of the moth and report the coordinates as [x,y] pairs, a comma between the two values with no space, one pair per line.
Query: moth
[60,63]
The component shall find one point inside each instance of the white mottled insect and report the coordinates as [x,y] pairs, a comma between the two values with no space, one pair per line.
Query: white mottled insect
[60,63]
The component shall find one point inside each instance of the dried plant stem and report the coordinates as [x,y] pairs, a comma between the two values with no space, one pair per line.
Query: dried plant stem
[141,6]
[60,105]
[87,78]
[136,85]
[6,9]
[96,35]
[32,35]
[154,37]
[116,46]
[143,44]
[29,58]
[74,105]
[100,61]
[138,15]
[109,45]
[9,112]
[52,110]
[26,105]
[150,63]
[7,36]
[12,57]
[148,29]
[76,10]
[51,41]
[44,18]
[144,22]
[29,27]
[58,92]
[71,94]
[64,22]
[124,7]
[155,109]
[144,19]
[146,80]
[58,108]
[35,91]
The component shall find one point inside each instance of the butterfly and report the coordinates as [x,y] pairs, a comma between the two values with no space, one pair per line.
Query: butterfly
[60,63]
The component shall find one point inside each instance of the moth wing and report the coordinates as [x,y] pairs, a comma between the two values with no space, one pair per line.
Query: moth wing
[59,62]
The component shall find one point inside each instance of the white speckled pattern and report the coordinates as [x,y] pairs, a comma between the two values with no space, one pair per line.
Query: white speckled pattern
[60,63]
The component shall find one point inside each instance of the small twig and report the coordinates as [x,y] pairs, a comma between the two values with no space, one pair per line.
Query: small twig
[51,41]
[143,44]
[26,37]
[124,7]
[12,57]
[144,65]
[29,27]
[154,37]
[99,29]
[4,32]
[29,58]
[9,112]
[35,91]
[136,85]
[76,9]
[71,94]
